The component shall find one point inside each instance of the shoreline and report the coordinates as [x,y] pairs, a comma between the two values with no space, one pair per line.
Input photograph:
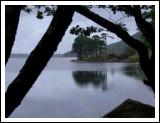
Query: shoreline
[75,61]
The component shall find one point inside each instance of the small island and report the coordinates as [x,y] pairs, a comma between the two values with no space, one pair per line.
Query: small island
[87,51]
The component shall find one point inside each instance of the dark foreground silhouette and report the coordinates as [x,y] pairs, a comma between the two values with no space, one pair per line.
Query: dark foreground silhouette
[132,109]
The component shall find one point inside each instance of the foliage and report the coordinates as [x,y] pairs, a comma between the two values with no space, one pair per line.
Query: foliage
[111,56]
[86,47]
[150,16]
[85,31]
[133,58]
[42,10]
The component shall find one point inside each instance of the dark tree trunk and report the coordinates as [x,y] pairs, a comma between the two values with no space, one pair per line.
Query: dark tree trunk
[12,14]
[38,58]
[81,56]
[78,56]
[147,67]
[149,33]
[145,62]
[148,64]
[144,26]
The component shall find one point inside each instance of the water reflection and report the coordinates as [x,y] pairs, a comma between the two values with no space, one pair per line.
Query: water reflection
[96,79]
[129,70]
[134,71]
[63,99]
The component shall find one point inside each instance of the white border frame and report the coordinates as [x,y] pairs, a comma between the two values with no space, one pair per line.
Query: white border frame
[3,3]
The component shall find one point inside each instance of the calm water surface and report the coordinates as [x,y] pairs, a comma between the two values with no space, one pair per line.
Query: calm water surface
[67,89]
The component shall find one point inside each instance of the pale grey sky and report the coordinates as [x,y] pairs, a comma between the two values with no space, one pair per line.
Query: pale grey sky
[30,30]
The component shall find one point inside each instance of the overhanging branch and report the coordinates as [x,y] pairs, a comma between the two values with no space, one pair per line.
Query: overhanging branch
[144,26]
[117,29]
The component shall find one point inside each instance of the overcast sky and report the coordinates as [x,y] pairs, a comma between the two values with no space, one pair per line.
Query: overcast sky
[30,30]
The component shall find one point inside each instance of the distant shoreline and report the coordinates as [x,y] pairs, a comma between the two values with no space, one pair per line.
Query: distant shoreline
[76,61]
[102,61]
[26,55]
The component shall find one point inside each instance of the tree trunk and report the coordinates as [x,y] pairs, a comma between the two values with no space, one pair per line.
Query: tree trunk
[12,15]
[147,67]
[134,43]
[149,33]
[144,26]
[38,59]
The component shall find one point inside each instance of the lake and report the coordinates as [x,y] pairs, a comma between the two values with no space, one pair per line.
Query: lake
[67,89]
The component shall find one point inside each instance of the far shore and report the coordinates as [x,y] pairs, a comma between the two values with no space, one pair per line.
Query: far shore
[77,61]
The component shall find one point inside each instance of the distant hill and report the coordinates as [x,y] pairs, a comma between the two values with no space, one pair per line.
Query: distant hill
[120,47]
[69,54]
[58,55]
[18,55]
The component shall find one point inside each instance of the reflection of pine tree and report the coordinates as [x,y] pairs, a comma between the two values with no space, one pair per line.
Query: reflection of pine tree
[90,78]
[133,71]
